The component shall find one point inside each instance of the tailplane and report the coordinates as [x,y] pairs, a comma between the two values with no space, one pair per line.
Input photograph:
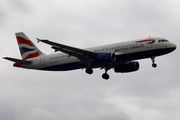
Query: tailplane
[27,48]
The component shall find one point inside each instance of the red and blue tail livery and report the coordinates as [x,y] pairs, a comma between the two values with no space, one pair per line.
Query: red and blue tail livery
[121,56]
[27,48]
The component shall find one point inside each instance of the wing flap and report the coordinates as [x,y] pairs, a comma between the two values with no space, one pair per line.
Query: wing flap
[70,53]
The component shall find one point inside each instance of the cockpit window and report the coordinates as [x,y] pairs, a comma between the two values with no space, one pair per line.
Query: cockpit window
[163,41]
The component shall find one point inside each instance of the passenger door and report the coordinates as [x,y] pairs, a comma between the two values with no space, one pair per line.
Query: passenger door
[149,43]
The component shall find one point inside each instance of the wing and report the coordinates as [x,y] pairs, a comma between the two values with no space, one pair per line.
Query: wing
[81,54]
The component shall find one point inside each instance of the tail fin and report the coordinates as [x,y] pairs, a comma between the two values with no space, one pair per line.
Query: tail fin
[27,48]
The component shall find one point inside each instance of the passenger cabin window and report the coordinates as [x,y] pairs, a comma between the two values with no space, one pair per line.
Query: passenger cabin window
[163,41]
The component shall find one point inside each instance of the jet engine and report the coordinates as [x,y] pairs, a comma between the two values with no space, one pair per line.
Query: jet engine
[104,58]
[127,67]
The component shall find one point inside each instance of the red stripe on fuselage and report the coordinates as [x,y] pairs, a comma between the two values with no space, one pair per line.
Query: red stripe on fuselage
[144,40]
[24,41]
[33,55]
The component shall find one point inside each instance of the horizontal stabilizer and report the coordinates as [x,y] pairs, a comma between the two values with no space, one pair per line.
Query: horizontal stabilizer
[18,60]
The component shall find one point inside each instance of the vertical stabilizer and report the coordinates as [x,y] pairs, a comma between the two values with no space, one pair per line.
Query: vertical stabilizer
[26,46]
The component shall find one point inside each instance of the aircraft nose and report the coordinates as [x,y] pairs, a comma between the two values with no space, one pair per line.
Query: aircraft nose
[173,46]
[170,47]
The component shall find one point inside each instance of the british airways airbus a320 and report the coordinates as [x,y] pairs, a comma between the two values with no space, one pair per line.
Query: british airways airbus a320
[118,56]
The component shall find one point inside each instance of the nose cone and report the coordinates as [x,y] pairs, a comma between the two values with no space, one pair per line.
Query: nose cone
[170,47]
[173,46]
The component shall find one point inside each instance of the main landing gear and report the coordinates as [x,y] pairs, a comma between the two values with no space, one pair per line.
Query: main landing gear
[154,64]
[104,76]
[89,70]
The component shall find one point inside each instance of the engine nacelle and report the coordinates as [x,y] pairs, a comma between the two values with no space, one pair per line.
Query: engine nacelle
[104,58]
[127,67]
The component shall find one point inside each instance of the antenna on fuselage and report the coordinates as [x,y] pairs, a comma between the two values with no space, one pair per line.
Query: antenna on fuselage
[150,37]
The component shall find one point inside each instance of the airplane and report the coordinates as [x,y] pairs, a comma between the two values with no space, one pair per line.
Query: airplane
[118,56]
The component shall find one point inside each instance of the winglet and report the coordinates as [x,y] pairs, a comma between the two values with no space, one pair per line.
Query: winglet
[42,40]
[38,40]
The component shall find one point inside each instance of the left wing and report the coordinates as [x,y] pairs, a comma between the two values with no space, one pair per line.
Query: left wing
[81,54]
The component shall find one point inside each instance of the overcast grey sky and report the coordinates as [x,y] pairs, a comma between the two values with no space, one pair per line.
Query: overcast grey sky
[148,94]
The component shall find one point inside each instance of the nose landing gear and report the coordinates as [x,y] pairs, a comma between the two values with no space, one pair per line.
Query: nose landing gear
[153,61]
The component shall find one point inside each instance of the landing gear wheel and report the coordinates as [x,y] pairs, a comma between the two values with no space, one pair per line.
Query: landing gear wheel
[105,76]
[89,70]
[154,65]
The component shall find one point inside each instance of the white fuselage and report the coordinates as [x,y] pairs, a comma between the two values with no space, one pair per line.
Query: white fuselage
[124,51]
